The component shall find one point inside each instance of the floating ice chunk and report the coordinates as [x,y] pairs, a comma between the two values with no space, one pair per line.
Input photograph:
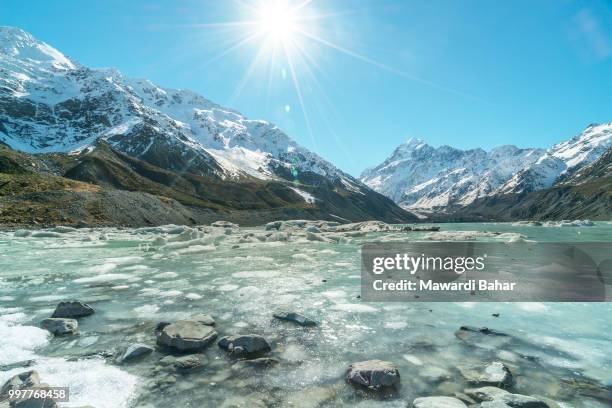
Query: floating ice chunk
[255,274]
[354,308]
[413,359]
[22,233]
[45,234]
[46,298]
[395,325]
[146,310]
[108,277]
[19,343]
[166,275]
[228,287]
[103,268]
[196,249]
[534,307]
[170,293]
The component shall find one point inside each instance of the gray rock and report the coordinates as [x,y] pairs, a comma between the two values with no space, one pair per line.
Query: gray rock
[274,225]
[373,374]
[186,335]
[204,319]
[257,363]
[496,373]
[494,404]
[26,380]
[438,402]
[73,310]
[434,374]
[184,363]
[245,345]
[135,351]
[60,326]
[522,401]
[295,318]
[485,393]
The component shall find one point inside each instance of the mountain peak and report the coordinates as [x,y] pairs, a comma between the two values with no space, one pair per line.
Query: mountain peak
[22,45]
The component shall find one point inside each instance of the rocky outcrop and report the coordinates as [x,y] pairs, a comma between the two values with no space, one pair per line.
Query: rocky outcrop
[72,310]
[294,317]
[60,326]
[245,345]
[373,375]
[186,335]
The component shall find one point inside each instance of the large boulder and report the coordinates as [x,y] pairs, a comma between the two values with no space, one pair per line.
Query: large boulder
[294,317]
[373,375]
[72,310]
[186,335]
[60,326]
[438,402]
[245,345]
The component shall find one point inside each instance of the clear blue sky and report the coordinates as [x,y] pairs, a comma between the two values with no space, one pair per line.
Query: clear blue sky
[524,72]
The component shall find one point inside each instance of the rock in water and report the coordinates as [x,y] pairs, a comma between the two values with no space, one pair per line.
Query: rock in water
[60,326]
[438,402]
[224,224]
[496,373]
[485,393]
[295,318]
[135,351]
[73,310]
[245,345]
[186,335]
[26,380]
[522,401]
[373,374]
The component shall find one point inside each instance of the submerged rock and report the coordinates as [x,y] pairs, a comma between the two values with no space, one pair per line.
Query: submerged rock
[135,351]
[438,402]
[72,309]
[373,374]
[184,363]
[186,335]
[246,345]
[495,373]
[60,326]
[488,393]
[257,363]
[294,318]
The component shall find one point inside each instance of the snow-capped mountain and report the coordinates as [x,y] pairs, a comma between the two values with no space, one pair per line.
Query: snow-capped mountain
[561,161]
[417,175]
[50,103]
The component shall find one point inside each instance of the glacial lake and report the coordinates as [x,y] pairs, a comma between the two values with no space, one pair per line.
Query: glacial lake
[135,278]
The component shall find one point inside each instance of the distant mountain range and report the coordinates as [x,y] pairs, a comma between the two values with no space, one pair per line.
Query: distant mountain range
[111,131]
[448,183]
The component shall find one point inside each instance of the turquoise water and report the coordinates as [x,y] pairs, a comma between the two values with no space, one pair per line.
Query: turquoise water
[136,278]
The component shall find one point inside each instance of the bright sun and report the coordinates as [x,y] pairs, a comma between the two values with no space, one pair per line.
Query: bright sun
[277,20]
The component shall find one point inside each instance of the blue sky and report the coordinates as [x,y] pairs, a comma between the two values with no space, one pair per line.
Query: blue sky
[472,73]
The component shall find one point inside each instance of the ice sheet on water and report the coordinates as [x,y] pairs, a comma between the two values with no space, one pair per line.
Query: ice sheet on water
[91,381]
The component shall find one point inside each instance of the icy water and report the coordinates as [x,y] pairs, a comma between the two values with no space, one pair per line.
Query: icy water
[137,278]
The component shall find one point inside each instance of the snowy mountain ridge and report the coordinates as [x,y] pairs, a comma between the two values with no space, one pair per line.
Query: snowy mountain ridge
[418,176]
[50,103]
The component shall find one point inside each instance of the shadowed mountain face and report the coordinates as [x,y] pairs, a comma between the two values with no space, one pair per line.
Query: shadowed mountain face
[118,133]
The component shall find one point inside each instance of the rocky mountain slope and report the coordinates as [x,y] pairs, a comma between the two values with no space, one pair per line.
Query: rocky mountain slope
[587,194]
[420,177]
[52,104]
